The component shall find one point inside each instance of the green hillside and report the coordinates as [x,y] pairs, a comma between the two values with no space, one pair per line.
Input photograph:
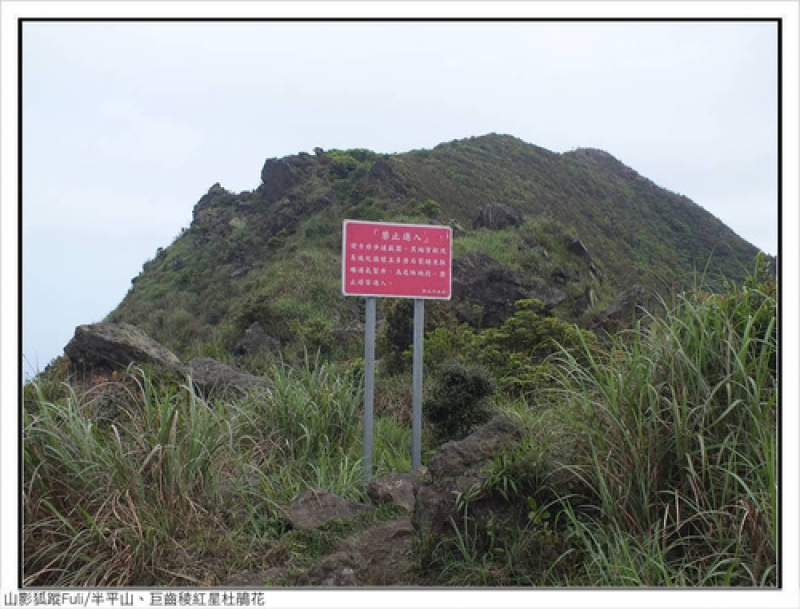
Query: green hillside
[555,454]
[581,225]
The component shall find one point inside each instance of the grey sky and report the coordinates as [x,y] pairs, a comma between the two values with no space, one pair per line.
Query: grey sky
[126,125]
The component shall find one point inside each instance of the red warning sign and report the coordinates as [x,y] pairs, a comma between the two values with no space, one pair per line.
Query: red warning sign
[396,260]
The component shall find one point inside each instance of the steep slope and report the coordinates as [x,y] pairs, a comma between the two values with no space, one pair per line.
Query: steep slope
[576,228]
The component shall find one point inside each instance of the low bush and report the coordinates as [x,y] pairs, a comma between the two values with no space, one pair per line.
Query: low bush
[458,401]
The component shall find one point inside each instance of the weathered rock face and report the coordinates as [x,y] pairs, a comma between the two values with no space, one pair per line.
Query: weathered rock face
[315,508]
[288,212]
[484,291]
[209,208]
[213,378]
[114,346]
[454,469]
[255,341]
[497,216]
[577,248]
[277,177]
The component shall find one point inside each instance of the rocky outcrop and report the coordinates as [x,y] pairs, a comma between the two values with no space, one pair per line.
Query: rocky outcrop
[96,349]
[115,346]
[382,182]
[256,342]
[497,216]
[484,291]
[212,206]
[277,177]
[382,554]
[455,469]
[287,213]
[577,248]
[213,378]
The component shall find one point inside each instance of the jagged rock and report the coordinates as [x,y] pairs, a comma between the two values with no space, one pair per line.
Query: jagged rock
[579,249]
[255,341]
[290,211]
[456,468]
[207,210]
[381,181]
[211,377]
[399,489]
[497,216]
[624,309]
[114,346]
[315,507]
[484,291]
[277,177]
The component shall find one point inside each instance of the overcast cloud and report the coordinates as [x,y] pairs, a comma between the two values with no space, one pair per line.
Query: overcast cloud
[127,124]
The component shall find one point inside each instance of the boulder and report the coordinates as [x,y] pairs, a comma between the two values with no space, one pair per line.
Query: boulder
[114,346]
[484,291]
[497,216]
[397,488]
[456,468]
[212,378]
[456,458]
[314,508]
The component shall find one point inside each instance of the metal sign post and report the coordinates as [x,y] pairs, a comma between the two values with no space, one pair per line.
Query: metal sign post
[416,413]
[381,259]
[369,385]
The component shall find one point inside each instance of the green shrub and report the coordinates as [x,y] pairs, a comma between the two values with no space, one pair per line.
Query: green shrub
[430,209]
[459,400]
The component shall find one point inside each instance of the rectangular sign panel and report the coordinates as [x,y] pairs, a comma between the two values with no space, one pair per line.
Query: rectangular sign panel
[396,260]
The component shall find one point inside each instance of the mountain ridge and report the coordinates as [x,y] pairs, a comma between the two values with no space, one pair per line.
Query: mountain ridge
[272,254]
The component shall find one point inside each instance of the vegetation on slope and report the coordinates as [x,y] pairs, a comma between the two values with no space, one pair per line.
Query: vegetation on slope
[650,457]
[272,255]
[650,460]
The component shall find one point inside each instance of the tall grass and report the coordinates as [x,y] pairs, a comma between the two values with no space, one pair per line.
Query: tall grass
[104,498]
[679,454]
[138,480]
